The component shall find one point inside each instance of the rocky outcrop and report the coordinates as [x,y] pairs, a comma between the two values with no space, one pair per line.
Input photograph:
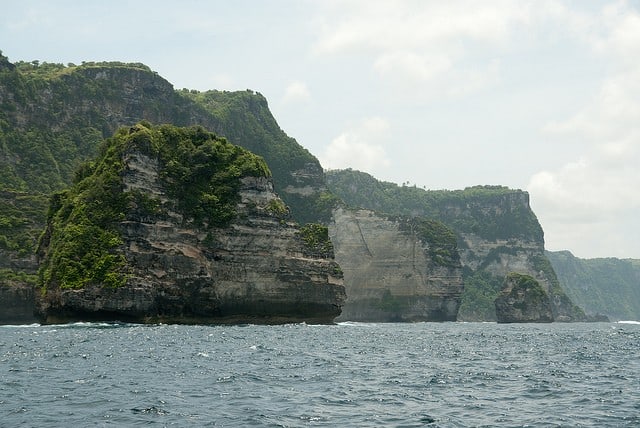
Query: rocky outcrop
[509,240]
[522,300]
[17,304]
[608,286]
[500,257]
[497,233]
[389,273]
[256,269]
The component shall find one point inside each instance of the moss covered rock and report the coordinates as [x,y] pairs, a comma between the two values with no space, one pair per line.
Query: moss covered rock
[178,225]
[523,299]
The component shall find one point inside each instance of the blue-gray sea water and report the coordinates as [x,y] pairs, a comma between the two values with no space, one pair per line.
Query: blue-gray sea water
[345,375]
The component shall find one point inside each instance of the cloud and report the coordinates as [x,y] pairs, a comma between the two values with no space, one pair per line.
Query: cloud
[359,147]
[593,202]
[386,26]
[621,27]
[296,92]
[411,64]
[611,114]
[425,43]
[589,207]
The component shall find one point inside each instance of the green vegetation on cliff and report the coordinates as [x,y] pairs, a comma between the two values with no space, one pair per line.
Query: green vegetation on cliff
[20,216]
[486,211]
[440,239]
[480,290]
[607,286]
[494,226]
[316,238]
[199,171]
[244,118]
[523,299]
[525,284]
[247,121]
[53,118]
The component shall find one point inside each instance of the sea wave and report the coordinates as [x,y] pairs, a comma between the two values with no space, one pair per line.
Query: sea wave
[20,325]
[356,374]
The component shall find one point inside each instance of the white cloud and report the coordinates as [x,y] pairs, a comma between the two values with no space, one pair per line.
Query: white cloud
[296,92]
[473,80]
[359,147]
[589,208]
[412,65]
[384,25]
[593,203]
[426,43]
[611,114]
[621,28]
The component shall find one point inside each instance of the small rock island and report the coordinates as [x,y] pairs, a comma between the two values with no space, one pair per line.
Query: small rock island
[523,300]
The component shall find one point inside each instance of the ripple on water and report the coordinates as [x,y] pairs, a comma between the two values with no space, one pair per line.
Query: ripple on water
[350,374]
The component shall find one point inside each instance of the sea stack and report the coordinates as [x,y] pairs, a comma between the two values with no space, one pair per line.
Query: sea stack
[522,300]
[177,225]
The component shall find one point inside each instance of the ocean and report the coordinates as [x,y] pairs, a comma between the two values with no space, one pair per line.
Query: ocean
[298,375]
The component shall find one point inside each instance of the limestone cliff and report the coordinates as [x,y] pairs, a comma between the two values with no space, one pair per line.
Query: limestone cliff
[53,117]
[497,232]
[17,303]
[391,272]
[170,260]
[609,286]
[511,240]
[72,108]
[523,299]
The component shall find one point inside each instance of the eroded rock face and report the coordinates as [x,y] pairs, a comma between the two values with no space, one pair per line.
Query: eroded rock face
[523,300]
[388,274]
[515,243]
[497,233]
[17,304]
[256,270]
[500,257]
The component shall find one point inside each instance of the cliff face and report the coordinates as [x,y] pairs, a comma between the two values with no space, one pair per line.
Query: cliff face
[497,232]
[108,95]
[607,286]
[498,254]
[53,118]
[244,118]
[17,304]
[78,106]
[523,299]
[257,268]
[389,274]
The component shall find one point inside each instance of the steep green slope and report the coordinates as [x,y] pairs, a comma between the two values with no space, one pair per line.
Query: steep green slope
[201,173]
[244,118]
[53,117]
[496,229]
[174,224]
[609,286]
[491,212]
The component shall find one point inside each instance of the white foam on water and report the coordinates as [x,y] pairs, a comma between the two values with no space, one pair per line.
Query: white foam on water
[20,325]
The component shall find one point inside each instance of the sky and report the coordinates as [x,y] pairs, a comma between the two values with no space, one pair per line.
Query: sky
[540,95]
